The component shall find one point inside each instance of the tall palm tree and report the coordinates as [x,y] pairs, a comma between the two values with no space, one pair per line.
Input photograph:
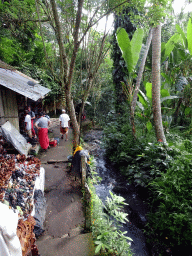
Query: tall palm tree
[156,83]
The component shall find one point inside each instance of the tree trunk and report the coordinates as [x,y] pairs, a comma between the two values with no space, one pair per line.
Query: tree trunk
[66,70]
[156,83]
[140,73]
[54,104]
[71,109]
[69,101]
[137,86]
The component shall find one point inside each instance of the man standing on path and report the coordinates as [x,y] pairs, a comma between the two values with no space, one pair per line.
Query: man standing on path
[64,124]
[32,114]
[28,124]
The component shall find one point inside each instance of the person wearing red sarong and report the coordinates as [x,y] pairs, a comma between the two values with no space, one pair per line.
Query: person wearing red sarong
[42,125]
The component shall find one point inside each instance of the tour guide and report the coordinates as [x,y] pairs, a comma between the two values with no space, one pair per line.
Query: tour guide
[64,123]
[42,125]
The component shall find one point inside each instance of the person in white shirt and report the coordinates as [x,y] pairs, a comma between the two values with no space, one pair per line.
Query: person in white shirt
[28,123]
[64,124]
[32,114]
[42,125]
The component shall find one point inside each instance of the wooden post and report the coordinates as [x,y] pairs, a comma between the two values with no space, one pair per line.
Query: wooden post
[83,171]
[87,194]
[87,208]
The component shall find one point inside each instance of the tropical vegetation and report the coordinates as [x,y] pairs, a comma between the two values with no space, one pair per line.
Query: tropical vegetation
[135,83]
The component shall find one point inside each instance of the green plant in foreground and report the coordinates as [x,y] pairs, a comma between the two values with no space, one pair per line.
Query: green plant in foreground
[172,220]
[108,237]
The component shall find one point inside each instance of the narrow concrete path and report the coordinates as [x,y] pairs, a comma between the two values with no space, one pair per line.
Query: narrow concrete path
[64,223]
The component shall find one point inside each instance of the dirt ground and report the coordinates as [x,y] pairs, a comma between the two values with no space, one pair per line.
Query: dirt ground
[64,223]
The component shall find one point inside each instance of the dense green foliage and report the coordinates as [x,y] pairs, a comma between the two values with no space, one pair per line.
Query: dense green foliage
[119,67]
[18,33]
[165,171]
[21,45]
[101,98]
[107,236]
[171,190]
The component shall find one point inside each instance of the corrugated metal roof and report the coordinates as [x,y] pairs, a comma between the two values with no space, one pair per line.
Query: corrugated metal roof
[22,84]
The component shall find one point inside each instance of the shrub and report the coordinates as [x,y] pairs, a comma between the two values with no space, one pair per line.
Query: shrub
[165,171]
[172,220]
[86,126]
[107,236]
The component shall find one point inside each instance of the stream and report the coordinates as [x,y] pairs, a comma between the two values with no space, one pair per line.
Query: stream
[112,181]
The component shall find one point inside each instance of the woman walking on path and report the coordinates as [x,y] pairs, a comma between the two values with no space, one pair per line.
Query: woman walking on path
[64,123]
[42,125]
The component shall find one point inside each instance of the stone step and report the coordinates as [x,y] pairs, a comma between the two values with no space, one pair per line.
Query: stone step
[74,245]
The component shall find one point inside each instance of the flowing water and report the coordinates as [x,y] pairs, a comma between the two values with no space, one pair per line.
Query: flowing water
[112,181]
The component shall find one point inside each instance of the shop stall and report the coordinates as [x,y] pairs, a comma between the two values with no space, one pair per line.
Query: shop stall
[21,181]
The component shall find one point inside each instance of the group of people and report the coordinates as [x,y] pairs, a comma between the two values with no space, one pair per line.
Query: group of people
[42,125]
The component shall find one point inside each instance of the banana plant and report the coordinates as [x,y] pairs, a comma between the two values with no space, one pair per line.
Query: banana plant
[145,104]
[178,52]
[130,48]
[131,52]
[179,37]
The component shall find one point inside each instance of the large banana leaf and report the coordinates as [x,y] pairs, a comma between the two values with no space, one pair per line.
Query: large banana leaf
[182,54]
[164,93]
[169,46]
[140,105]
[169,98]
[149,126]
[189,36]
[125,46]
[143,99]
[136,44]
[148,88]
[181,32]
[163,46]
[130,49]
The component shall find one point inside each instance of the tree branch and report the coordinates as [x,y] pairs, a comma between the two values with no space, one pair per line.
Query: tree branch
[63,56]
[92,24]
[76,43]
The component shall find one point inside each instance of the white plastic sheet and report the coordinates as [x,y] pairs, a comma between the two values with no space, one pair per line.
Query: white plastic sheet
[13,136]
[9,241]
[40,180]
[39,184]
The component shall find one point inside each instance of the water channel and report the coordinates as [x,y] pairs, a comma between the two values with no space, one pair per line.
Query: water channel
[112,181]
